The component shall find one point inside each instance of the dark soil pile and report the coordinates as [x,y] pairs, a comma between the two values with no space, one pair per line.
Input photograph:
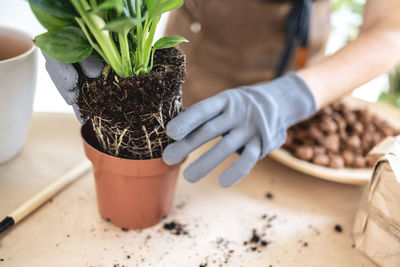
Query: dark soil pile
[338,228]
[129,115]
[175,228]
[256,242]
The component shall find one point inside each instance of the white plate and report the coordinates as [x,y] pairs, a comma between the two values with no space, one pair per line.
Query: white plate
[344,175]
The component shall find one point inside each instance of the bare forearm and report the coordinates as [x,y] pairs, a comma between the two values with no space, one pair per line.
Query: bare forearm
[358,62]
[375,51]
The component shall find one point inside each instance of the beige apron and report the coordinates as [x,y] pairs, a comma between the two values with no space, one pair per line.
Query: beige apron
[240,42]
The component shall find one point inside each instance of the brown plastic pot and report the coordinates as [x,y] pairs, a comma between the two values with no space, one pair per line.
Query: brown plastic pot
[133,194]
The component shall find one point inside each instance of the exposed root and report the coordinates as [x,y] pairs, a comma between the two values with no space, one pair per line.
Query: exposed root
[160,118]
[159,141]
[98,131]
[176,106]
[121,138]
[148,141]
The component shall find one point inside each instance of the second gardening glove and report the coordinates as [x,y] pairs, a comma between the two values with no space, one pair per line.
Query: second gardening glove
[253,117]
[65,78]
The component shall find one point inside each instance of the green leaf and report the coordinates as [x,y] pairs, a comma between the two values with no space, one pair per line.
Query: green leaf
[68,44]
[169,41]
[158,7]
[58,8]
[394,80]
[48,21]
[110,4]
[391,98]
[121,25]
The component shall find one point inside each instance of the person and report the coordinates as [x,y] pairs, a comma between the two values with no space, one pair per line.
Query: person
[243,44]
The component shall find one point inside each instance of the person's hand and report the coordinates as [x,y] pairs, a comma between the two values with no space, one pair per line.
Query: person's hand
[254,118]
[65,78]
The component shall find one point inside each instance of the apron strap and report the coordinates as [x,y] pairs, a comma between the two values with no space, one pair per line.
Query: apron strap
[297,27]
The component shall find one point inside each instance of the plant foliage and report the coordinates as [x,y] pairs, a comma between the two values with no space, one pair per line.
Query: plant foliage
[121,32]
[392,96]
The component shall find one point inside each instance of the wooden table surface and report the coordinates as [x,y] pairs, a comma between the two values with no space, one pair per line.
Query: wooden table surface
[297,219]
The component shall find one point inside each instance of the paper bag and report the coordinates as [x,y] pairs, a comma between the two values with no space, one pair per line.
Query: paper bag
[377,225]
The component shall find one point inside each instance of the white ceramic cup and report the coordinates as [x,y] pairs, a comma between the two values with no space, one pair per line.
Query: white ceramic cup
[18,71]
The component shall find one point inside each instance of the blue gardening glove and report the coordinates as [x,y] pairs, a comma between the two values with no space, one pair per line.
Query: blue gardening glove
[65,78]
[253,117]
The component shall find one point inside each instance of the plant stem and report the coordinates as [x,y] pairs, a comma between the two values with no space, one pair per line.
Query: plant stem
[130,7]
[151,60]
[92,43]
[140,37]
[103,38]
[143,42]
[139,17]
[149,43]
[93,3]
[124,46]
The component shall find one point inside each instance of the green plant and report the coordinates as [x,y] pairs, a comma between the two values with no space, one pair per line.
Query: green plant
[356,6]
[392,96]
[121,32]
